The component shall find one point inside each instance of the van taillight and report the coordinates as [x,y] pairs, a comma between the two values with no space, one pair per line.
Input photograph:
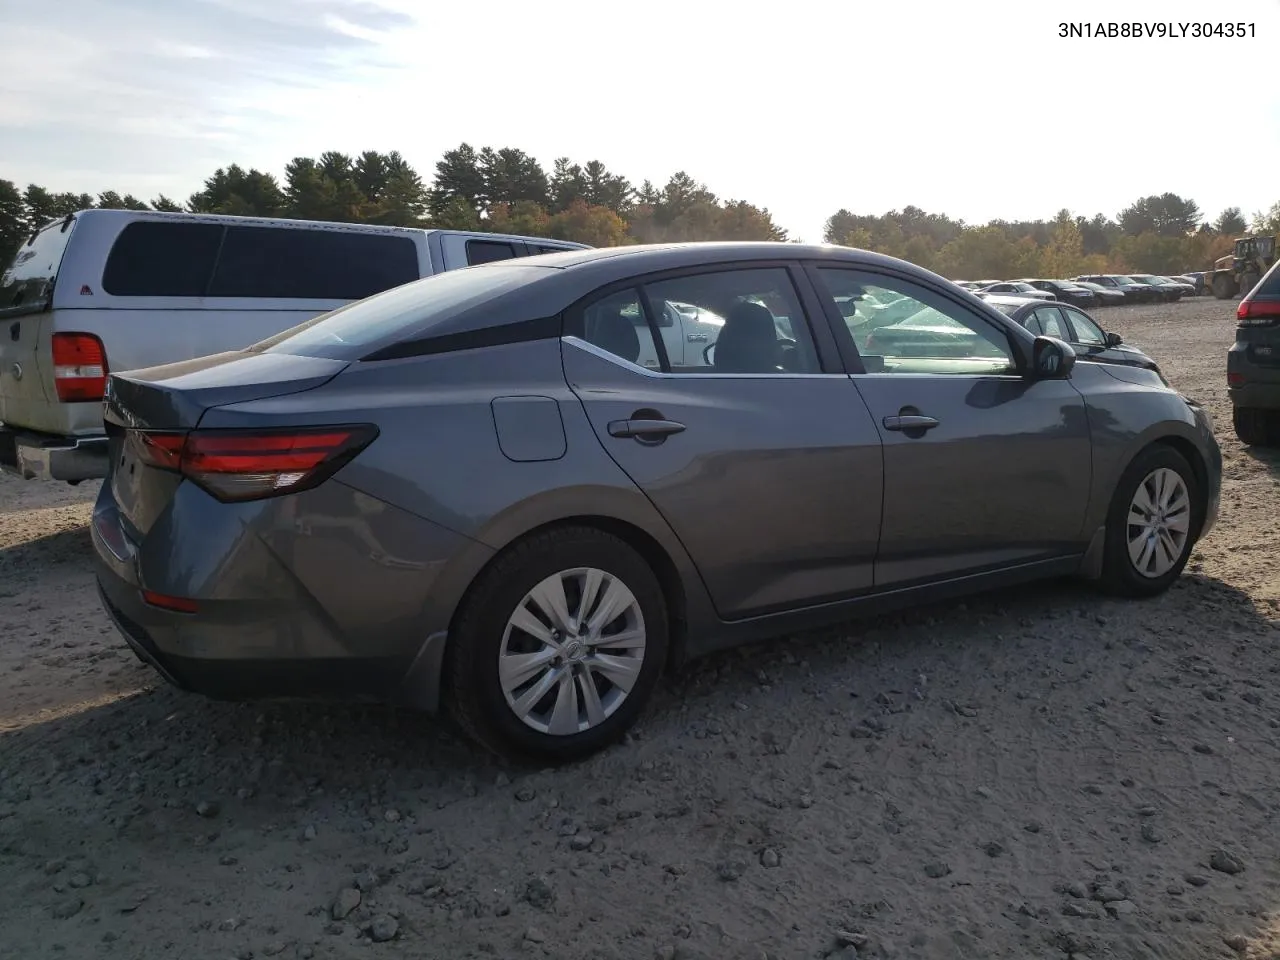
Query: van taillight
[79,367]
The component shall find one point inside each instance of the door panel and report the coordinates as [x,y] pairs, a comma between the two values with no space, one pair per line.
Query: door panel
[1003,477]
[774,484]
[982,468]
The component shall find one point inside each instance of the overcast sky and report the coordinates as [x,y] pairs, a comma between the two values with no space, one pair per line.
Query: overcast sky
[975,109]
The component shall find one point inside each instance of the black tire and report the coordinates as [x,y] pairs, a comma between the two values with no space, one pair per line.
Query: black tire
[1256,428]
[1119,575]
[473,689]
[1224,287]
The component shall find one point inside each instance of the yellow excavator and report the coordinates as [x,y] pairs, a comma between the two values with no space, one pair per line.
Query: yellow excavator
[1239,272]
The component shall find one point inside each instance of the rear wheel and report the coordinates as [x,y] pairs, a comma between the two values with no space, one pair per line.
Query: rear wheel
[1224,287]
[1256,428]
[558,647]
[1154,514]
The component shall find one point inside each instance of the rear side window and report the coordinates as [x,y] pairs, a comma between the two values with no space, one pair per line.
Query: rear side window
[1269,286]
[158,259]
[488,251]
[278,263]
[28,282]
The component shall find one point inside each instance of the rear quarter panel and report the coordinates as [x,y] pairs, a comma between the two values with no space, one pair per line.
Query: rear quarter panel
[438,455]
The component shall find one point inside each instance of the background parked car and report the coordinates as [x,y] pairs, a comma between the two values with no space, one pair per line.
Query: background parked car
[1107,296]
[1166,290]
[1018,288]
[1133,291]
[1195,279]
[1073,325]
[1253,364]
[1187,286]
[1066,291]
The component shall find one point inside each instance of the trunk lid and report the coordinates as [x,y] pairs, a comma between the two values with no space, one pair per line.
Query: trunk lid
[174,397]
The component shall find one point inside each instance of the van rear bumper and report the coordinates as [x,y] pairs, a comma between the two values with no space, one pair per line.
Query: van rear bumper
[41,456]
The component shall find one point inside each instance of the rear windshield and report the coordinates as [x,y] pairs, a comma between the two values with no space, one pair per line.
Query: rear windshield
[27,284]
[1270,285]
[156,258]
[351,332]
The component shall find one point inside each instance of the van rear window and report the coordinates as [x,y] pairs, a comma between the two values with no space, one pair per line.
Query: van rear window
[489,251]
[154,258]
[311,264]
[27,284]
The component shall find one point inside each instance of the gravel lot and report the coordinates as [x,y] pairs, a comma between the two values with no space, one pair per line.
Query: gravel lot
[1041,773]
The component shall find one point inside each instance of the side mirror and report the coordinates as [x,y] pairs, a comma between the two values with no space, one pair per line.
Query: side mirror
[1051,359]
[1114,339]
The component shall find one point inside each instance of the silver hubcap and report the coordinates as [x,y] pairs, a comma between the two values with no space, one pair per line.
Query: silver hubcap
[1159,523]
[572,651]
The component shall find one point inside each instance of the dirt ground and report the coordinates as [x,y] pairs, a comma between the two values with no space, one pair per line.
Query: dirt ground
[1038,773]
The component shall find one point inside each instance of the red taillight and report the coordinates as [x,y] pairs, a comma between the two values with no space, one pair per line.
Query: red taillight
[249,465]
[166,602]
[79,367]
[1262,313]
[1235,379]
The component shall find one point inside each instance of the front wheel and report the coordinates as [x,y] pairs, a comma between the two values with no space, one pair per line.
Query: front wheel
[558,647]
[1155,512]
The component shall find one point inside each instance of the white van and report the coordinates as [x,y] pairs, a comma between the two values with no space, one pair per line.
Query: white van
[122,289]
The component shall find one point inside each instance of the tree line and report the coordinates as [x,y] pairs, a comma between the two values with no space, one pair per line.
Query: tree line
[505,190]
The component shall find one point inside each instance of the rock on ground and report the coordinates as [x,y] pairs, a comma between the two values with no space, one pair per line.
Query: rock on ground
[771,797]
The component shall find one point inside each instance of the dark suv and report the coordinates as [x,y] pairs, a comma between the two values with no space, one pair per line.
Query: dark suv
[1253,364]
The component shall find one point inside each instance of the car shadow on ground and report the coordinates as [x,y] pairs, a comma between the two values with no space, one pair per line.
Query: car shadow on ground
[299,745]
[1267,457]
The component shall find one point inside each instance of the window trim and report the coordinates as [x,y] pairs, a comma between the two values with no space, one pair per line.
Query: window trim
[849,349]
[829,361]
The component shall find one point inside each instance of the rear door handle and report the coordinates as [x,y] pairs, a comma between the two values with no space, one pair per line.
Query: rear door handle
[644,429]
[909,423]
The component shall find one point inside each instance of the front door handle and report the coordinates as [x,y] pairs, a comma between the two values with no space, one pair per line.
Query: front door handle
[644,430]
[912,422]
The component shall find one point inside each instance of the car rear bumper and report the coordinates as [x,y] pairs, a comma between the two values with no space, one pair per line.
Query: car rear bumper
[38,456]
[1251,384]
[259,631]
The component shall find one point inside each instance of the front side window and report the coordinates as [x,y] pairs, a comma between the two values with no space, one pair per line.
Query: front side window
[741,321]
[1050,322]
[900,327]
[1085,330]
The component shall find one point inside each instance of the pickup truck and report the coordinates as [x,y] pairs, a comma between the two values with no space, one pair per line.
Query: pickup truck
[115,290]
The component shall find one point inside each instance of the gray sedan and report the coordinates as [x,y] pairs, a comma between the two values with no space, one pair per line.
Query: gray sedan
[469,492]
